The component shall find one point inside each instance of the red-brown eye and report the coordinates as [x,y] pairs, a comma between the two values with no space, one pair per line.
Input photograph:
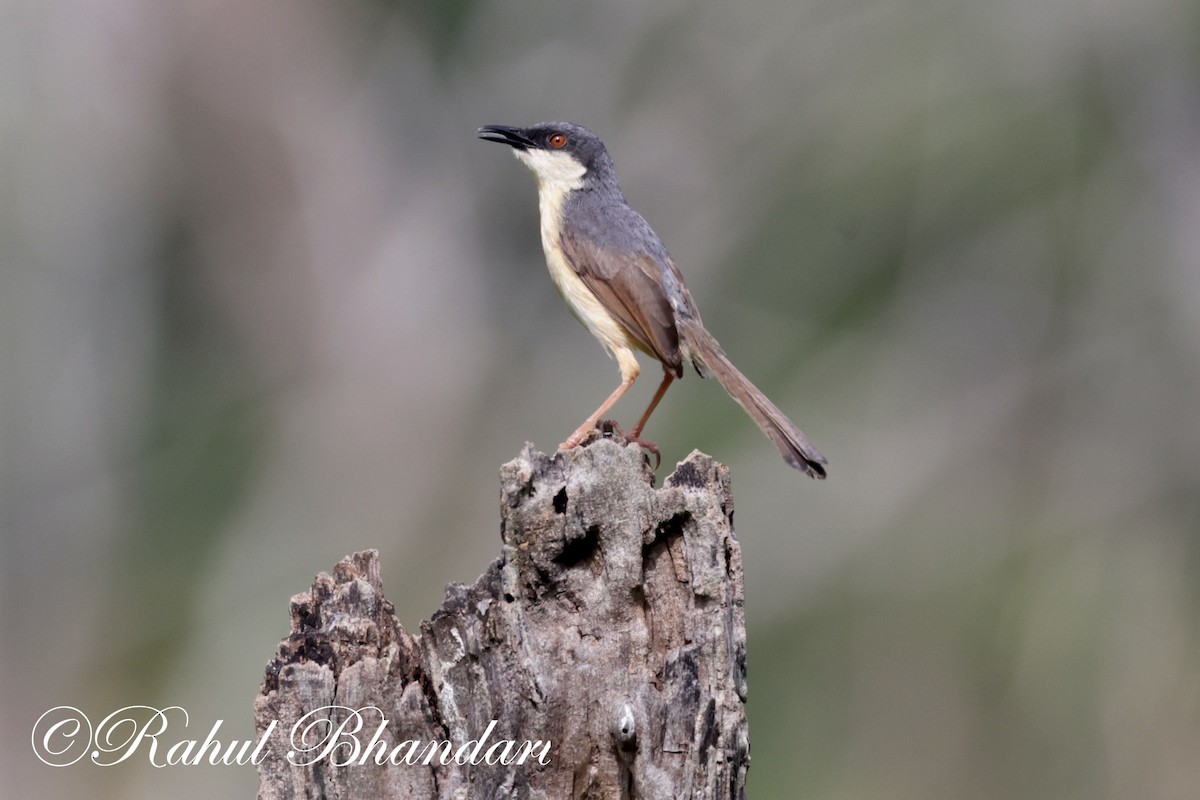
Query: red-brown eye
[558,140]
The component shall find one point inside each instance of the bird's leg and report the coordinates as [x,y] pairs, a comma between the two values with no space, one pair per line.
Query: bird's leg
[635,436]
[627,380]
[668,378]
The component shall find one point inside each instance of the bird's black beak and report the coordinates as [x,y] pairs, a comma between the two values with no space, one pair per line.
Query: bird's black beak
[506,135]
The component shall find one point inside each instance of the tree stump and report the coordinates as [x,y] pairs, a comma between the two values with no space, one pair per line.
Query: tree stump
[607,644]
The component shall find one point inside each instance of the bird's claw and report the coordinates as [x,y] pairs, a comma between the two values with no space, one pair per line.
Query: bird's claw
[609,428]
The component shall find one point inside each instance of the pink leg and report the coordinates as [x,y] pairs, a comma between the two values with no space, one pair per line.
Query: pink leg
[662,389]
[582,431]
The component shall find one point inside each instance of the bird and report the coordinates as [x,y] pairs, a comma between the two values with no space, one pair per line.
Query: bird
[619,281]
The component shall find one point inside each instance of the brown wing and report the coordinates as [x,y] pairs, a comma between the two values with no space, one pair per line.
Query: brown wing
[630,287]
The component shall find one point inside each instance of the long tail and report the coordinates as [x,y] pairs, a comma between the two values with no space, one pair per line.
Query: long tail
[792,443]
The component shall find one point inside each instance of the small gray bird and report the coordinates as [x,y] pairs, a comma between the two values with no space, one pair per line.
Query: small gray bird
[619,281]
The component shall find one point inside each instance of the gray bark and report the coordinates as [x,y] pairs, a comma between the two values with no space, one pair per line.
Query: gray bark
[611,628]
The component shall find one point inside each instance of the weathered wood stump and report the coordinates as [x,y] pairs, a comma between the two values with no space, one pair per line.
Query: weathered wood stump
[604,651]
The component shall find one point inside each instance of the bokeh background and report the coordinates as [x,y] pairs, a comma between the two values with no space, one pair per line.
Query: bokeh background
[265,301]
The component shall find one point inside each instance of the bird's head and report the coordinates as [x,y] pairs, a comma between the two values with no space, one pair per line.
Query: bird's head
[561,154]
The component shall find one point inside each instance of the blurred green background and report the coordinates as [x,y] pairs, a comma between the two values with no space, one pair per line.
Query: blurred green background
[265,301]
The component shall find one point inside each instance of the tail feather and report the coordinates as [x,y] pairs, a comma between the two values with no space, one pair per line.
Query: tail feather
[793,445]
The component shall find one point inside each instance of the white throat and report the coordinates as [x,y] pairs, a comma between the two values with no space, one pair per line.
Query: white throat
[557,173]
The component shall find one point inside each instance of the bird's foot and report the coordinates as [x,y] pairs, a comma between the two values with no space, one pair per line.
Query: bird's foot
[580,436]
[609,428]
[571,443]
[603,429]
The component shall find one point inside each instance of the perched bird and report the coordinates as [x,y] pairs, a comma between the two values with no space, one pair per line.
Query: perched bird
[619,281]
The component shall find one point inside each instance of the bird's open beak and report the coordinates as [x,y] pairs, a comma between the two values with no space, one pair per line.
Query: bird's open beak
[506,135]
